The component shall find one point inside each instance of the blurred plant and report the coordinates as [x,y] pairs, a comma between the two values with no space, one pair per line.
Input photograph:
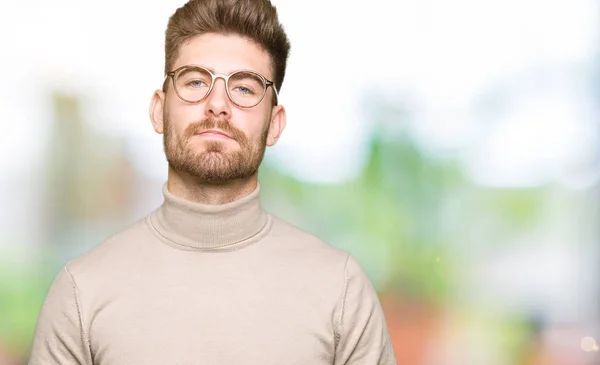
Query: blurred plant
[21,295]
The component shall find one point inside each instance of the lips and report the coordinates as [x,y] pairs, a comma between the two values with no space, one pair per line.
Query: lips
[214,132]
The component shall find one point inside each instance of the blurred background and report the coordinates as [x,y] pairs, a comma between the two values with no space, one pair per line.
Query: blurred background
[452,146]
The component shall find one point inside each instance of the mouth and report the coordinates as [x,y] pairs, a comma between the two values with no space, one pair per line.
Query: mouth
[214,133]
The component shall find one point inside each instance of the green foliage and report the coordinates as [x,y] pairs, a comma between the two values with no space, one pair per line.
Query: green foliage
[21,295]
[389,216]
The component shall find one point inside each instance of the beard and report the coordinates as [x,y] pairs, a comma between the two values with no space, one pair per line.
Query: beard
[214,163]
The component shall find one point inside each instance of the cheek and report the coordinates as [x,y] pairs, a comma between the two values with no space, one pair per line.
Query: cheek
[253,123]
[179,117]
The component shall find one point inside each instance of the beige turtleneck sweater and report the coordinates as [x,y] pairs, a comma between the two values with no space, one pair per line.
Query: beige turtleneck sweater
[212,284]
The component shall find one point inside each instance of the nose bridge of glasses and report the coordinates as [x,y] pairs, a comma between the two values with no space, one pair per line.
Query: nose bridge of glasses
[215,79]
[213,86]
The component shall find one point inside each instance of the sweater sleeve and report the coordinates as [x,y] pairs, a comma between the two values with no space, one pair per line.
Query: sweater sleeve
[362,336]
[59,337]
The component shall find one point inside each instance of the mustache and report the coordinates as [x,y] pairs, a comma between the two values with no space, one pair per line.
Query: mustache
[213,123]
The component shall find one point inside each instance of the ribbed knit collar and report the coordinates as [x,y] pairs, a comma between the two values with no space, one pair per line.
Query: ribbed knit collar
[205,226]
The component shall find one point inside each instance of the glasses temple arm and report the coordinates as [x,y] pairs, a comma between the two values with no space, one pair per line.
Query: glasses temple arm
[272,84]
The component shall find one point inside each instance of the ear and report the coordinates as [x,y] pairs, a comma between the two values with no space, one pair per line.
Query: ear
[278,121]
[156,111]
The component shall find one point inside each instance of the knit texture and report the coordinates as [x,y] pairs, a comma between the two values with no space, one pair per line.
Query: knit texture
[227,284]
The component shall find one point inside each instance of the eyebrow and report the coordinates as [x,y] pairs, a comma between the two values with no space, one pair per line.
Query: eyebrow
[213,71]
[224,73]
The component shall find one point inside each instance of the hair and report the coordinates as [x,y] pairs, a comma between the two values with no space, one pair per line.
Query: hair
[255,20]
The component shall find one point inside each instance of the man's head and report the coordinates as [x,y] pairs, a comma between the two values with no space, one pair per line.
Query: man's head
[221,36]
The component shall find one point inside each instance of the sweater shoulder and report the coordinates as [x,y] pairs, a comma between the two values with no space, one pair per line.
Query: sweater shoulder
[301,241]
[112,251]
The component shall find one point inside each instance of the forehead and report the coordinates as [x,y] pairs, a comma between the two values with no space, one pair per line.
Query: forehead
[224,54]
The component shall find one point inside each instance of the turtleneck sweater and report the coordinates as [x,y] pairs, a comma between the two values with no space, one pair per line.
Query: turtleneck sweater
[228,284]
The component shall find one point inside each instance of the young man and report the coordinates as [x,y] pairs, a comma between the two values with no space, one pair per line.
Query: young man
[210,277]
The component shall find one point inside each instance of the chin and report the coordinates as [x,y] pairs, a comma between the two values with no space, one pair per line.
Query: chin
[210,146]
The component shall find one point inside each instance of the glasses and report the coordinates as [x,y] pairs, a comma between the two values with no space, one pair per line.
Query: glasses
[245,88]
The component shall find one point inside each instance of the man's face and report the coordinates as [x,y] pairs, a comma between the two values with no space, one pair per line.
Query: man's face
[213,157]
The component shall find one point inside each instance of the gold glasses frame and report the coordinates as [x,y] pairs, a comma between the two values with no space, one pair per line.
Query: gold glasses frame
[214,76]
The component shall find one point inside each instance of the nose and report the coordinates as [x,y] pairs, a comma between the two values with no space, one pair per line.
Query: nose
[217,102]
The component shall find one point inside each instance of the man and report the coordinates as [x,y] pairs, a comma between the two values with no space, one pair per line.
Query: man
[210,277]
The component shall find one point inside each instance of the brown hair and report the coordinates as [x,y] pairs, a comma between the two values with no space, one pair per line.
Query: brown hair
[253,19]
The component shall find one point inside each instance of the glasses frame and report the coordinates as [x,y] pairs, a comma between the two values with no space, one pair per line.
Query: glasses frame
[214,76]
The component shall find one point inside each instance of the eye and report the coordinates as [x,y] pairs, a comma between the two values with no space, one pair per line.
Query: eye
[243,90]
[196,83]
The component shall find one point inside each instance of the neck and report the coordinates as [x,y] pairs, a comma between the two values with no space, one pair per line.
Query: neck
[190,224]
[188,187]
